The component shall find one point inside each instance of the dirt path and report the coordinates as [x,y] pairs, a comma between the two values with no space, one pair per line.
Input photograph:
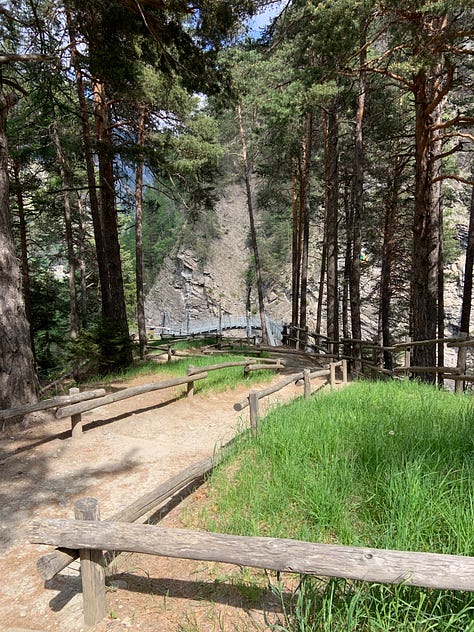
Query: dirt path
[127,449]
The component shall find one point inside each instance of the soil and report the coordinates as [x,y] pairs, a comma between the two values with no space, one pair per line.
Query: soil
[126,449]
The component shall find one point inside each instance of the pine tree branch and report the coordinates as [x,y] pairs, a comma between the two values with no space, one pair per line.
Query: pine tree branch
[452,176]
[13,57]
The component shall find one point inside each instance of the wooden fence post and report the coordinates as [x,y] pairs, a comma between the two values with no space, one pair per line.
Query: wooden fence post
[461,364]
[307,383]
[190,388]
[332,377]
[92,568]
[76,420]
[408,355]
[253,403]
[344,371]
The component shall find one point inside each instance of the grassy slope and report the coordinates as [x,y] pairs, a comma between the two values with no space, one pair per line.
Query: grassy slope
[389,465]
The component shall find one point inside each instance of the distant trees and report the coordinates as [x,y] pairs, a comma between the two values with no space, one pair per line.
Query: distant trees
[418,56]
[106,44]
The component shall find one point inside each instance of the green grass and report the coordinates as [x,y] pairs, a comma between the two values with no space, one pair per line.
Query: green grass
[217,381]
[388,465]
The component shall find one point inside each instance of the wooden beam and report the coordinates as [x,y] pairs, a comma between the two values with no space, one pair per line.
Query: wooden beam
[52,563]
[270,390]
[431,570]
[223,365]
[53,402]
[75,409]
[426,369]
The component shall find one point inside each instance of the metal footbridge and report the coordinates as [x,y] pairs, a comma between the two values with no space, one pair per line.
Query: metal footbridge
[250,324]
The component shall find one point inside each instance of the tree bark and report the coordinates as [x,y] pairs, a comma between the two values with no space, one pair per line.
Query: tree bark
[305,208]
[114,309]
[468,269]
[89,162]
[295,254]
[139,237]
[358,205]
[253,232]
[67,208]
[424,289]
[388,257]
[25,268]
[332,185]
[346,332]
[18,380]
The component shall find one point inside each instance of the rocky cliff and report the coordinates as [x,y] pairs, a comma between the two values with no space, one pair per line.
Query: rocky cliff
[188,290]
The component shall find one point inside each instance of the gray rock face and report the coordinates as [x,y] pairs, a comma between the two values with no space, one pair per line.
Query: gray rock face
[187,289]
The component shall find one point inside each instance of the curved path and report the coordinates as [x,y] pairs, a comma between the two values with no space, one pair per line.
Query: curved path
[127,449]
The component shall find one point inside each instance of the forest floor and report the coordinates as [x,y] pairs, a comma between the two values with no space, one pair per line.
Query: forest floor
[127,449]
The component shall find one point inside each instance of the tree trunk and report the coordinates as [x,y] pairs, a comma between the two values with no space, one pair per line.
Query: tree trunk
[114,337]
[82,263]
[305,207]
[295,255]
[346,332]
[438,190]
[66,180]
[388,257]
[468,269]
[424,289]
[253,232]
[139,237]
[25,268]
[357,207]
[332,184]
[18,381]
[89,162]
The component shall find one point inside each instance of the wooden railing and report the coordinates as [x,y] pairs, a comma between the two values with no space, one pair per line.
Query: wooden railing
[91,537]
[76,403]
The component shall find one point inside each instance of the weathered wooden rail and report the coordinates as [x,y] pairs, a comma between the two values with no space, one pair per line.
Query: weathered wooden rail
[304,377]
[52,563]
[456,373]
[53,402]
[91,537]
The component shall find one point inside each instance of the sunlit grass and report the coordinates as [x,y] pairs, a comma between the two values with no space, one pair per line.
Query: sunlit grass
[388,465]
[218,380]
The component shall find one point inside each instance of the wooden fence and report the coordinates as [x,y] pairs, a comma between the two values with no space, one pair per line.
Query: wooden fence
[373,364]
[91,537]
[76,403]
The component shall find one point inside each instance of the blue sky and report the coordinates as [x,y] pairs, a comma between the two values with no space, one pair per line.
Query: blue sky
[259,22]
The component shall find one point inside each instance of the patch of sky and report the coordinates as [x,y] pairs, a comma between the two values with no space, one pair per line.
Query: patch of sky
[263,19]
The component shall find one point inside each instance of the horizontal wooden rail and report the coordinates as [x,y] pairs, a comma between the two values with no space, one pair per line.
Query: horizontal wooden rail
[270,390]
[315,374]
[366,343]
[461,343]
[431,570]
[423,343]
[53,402]
[77,409]
[223,365]
[460,378]
[52,563]
[426,369]
[262,367]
